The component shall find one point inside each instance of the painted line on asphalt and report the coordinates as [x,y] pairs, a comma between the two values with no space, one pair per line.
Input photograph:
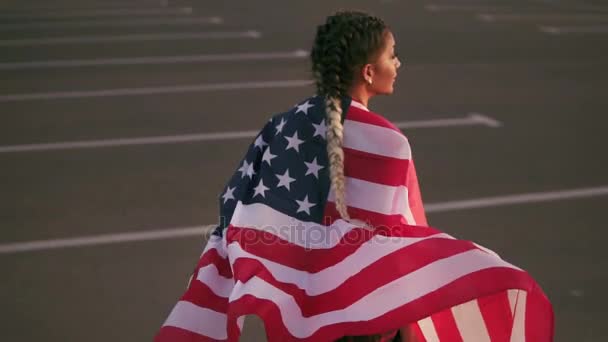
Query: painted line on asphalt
[250,34]
[177,89]
[251,56]
[45,25]
[201,231]
[488,17]
[95,5]
[464,8]
[601,29]
[473,119]
[119,12]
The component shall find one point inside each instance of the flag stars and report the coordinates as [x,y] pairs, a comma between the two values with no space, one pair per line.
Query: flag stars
[267,157]
[294,142]
[250,171]
[285,180]
[261,189]
[304,205]
[320,129]
[228,195]
[244,168]
[313,168]
[279,127]
[304,107]
[259,142]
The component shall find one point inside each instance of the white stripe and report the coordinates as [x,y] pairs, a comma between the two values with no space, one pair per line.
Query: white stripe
[44,25]
[240,321]
[309,235]
[485,249]
[359,105]
[379,198]
[519,321]
[428,330]
[512,295]
[328,279]
[155,90]
[297,54]
[382,300]
[171,233]
[574,29]
[171,139]
[120,12]
[202,321]
[470,322]
[375,139]
[131,38]
[210,276]
[217,243]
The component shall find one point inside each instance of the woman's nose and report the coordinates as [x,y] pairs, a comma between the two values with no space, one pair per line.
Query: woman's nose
[398,63]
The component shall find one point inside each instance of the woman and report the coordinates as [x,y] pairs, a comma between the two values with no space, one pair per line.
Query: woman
[323,233]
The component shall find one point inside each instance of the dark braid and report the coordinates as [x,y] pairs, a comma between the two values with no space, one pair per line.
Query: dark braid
[347,41]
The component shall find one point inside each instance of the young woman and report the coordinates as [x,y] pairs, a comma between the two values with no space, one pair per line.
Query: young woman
[323,234]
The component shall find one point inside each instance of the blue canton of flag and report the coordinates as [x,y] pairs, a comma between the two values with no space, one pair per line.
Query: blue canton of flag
[285,167]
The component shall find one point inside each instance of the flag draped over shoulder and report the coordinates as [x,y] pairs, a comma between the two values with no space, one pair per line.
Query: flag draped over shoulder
[282,253]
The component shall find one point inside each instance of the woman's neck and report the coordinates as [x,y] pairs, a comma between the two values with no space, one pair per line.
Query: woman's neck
[360,94]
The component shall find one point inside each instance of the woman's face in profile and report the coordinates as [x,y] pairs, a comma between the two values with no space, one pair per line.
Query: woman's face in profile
[385,67]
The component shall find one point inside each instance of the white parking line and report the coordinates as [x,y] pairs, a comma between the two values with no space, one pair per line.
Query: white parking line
[464,8]
[120,12]
[296,54]
[574,29]
[45,25]
[251,34]
[473,119]
[487,17]
[155,90]
[201,231]
[163,234]
[122,4]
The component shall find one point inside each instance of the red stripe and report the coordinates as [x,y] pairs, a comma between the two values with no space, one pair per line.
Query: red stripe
[174,334]
[272,247]
[445,326]
[496,313]
[386,170]
[539,316]
[360,115]
[200,294]
[455,293]
[212,256]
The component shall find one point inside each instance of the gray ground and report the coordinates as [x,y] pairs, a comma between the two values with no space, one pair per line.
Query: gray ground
[548,91]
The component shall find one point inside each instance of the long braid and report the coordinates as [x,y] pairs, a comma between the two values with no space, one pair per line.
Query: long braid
[335,153]
[345,41]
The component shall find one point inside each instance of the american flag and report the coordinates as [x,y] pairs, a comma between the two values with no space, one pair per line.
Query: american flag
[282,253]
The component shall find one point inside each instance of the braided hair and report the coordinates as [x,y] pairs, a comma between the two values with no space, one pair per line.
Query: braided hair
[346,42]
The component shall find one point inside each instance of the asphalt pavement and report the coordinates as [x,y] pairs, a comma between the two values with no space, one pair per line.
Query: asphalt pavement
[122,121]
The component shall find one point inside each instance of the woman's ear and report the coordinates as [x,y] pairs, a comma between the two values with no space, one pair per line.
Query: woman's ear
[367,72]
